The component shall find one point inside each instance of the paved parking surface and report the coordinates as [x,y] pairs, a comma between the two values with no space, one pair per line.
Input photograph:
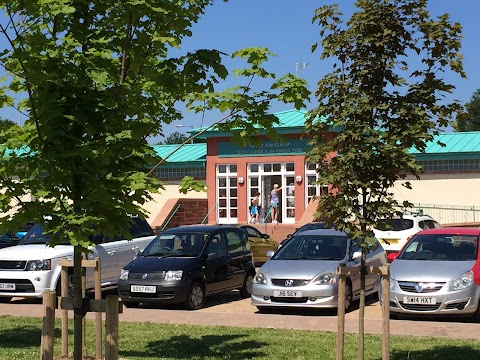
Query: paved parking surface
[229,310]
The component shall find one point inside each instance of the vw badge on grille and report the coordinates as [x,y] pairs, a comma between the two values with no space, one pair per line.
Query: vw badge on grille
[288,282]
[418,287]
[144,276]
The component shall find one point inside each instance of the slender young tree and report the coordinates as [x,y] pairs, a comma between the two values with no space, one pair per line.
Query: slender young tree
[385,95]
[99,79]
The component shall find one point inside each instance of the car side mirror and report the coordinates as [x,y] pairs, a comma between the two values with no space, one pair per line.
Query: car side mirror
[289,236]
[266,236]
[15,240]
[270,253]
[212,256]
[357,255]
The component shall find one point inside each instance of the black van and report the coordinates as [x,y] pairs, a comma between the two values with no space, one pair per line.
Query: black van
[187,263]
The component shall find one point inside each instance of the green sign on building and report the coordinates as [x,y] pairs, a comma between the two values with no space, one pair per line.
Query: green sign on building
[267,148]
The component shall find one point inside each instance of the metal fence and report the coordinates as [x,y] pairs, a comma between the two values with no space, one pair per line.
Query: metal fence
[449,214]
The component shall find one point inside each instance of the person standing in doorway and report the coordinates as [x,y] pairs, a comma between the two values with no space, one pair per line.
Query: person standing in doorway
[274,200]
[254,209]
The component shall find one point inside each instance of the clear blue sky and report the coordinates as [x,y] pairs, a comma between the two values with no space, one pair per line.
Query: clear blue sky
[285,27]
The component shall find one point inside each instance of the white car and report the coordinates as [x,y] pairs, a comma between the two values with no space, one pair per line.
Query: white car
[394,233]
[32,267]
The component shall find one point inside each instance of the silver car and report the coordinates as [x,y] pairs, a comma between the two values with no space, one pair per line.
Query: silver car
[437,273]
[302,273]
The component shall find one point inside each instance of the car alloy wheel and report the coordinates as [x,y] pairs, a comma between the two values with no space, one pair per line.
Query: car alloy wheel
[246,289]
[196,297]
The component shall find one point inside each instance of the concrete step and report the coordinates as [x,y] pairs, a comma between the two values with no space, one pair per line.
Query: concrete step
[277,232]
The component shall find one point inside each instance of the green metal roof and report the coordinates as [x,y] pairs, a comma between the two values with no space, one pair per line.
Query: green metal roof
[458,142]
[290,122]
[190,153]
[291,118]
[459,145]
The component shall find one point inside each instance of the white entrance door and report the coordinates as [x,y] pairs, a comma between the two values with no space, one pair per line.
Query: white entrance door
[263,176]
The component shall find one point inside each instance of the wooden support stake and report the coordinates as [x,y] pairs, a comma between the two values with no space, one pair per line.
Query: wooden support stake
[48,327]
[111,328]
[386,313]
[98,315]
[64,293]
[341,310]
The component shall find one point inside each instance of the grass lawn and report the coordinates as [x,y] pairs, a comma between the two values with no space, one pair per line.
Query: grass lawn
[20,339]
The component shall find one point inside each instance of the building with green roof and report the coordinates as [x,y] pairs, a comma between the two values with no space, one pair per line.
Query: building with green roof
[234,174]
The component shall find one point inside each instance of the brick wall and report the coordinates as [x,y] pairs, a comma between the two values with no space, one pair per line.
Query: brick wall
[190,211]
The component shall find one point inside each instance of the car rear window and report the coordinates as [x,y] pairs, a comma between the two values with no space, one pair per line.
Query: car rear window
[310,226]
[394,224]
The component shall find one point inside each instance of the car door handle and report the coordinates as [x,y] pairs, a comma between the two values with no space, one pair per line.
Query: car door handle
[111,252]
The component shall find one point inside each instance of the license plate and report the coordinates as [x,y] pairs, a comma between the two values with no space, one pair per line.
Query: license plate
[143,289]
[4,286]
[419,300]
[287,293]
[389,241]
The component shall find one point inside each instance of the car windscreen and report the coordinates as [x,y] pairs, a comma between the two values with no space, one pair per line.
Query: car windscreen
[35,236]
[394,224]
[177,244]
[441,247]
[313,247]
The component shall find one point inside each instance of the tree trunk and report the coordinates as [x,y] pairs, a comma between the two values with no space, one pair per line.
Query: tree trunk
[77,305]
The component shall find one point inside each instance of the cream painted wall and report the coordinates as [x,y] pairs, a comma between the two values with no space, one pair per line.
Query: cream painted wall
[449,190]
[444,189]
[170,192]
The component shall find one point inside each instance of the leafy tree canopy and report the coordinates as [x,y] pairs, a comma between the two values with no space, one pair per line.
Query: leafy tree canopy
[381,102]
[100,79]
[175,138]
[469,118]
[5,124]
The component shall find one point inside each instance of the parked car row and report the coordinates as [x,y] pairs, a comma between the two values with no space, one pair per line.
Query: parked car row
[179,265]
[437,272]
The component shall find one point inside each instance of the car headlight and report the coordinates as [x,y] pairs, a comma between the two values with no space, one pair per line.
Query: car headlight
[392,284]
[325,279]
[173,275]
[462,282]
[260,278]
[124,274]
[39,265]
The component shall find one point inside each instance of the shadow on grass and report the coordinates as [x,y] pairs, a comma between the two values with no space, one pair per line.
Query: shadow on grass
[460,352]
[23,336]
[185,347]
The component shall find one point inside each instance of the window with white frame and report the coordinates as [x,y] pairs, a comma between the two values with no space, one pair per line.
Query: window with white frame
[227,191]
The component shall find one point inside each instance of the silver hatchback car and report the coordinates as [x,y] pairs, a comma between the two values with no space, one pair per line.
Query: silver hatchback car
[437,273]
[302,273]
